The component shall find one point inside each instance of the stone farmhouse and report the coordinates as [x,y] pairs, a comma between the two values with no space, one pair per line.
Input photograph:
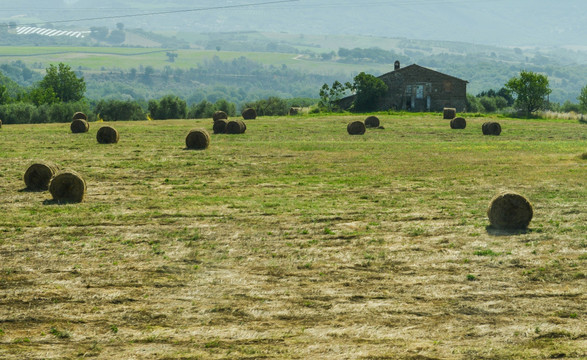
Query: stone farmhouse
[416,88]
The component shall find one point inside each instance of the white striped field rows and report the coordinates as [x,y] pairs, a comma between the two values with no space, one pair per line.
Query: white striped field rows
[29,30]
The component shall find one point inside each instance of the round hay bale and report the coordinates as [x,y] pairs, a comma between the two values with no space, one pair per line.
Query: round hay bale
[249,114]
[39,175]
[458,123]
[79,126]
[219,126]
[491,128]
[494,128]
[79,115]
[219,115]
[509,210]
[197,139]
[356,128]
[485,127]
[449,113]
[107,135]
[372,122]
[68,186]
[236,127]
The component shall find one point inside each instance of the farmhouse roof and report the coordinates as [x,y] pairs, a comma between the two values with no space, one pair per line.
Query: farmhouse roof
[418,67]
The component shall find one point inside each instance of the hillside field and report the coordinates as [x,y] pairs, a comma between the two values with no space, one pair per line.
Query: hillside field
[296,240]
[107,59]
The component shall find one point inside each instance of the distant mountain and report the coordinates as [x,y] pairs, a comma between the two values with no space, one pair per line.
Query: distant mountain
[521,23]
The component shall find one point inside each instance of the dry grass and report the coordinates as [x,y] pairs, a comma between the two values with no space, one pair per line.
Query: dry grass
[559,115]
[296,241]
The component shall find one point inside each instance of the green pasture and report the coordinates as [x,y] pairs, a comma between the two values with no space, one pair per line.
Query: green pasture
[110,58]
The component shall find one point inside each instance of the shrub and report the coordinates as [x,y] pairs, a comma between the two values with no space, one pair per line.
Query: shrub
[272,106]
[113,110]
[17,113]
[204,109]
[57,112]
[474,105]
[488,103]
[223,105]
[169,107]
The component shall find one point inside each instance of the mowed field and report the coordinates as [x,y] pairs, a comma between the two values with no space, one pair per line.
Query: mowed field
[296,240]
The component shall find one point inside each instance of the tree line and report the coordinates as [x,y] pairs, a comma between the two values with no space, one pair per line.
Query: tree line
[526,93]
[61,92]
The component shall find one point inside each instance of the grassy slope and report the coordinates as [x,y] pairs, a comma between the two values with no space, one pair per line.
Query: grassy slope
[97,58]
[295,240]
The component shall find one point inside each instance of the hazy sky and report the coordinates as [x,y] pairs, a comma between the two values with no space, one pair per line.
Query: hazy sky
[496,22]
